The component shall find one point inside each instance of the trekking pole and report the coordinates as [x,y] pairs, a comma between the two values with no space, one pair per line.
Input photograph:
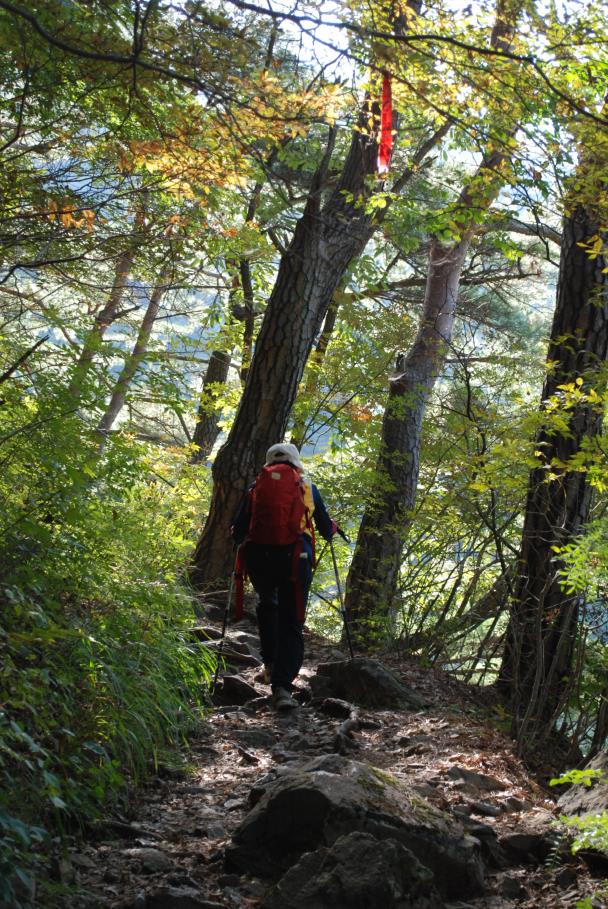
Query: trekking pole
[224,627]
[317,562]
[341,598]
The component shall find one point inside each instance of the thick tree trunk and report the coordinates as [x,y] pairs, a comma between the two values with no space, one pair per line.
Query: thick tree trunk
[133,362]
[542,629]
[207,427]
[324,243]
[326,240]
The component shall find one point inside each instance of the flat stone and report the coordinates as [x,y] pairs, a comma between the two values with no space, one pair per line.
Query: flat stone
[357,871]
[462,811]
[529,846]
[473,780]
[80,860]
[337,655]
[512,888]
[229,880]
[368,723]
[234,690]
[485,809]
[336,707]
[213,612]
[596,861]
[512,803]
[566,878]
[364,682]
[152,860]
[255,738]
[251,641]
[233,804]
[493,854]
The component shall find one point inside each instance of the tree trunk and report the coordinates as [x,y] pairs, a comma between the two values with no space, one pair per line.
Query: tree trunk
[372,582]
[248,317]
[207,427]
[134,361]
[103,320]
[308,274]
[109,313]
[542,628]
[298,436]
[326,240]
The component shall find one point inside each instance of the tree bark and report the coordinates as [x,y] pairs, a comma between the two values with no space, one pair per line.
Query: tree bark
[103,320]
[248,317]
[207,427]
[108,314]
[372,582]
[133,362]
[298,436]
[326,239]
[542,628]
[372,579]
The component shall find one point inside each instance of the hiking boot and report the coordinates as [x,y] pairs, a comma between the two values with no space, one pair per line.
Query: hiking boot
[282,700]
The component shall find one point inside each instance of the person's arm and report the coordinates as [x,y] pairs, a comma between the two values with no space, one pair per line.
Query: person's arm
[323,522]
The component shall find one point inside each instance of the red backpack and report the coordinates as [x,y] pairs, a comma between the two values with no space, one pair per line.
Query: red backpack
[278,512]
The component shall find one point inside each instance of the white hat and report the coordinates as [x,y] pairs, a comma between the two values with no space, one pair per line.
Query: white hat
[284,452]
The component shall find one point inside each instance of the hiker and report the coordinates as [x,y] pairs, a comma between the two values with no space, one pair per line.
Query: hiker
[274,528]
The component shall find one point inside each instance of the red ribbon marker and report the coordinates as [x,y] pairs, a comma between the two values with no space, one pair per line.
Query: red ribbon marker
[385,146]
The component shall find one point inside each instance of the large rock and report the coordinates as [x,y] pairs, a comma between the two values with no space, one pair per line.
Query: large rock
[234,690]
[315,804]
[365,682]
[583,800]
[357,870]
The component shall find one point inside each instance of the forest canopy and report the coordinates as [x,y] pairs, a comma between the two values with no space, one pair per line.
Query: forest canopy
[201,257]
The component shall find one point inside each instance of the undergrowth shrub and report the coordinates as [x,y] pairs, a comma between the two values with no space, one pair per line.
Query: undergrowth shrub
[99,671]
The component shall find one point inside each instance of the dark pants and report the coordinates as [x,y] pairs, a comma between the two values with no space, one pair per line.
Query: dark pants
[271,569]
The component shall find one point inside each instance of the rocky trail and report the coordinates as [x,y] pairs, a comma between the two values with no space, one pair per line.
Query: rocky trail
[390,788]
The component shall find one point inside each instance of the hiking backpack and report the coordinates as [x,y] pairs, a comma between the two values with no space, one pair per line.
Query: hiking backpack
[278,511]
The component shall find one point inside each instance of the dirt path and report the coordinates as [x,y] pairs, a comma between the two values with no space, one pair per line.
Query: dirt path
[169,854]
